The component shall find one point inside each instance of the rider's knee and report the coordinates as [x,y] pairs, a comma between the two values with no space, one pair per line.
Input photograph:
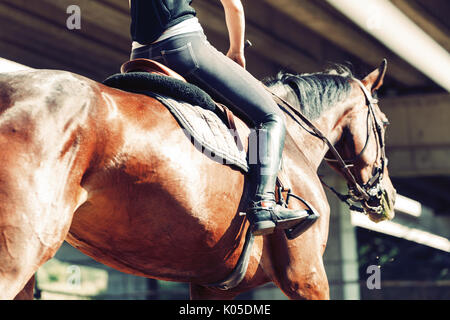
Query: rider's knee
[275,119]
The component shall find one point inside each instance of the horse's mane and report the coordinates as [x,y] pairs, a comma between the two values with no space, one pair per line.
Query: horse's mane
[316,92]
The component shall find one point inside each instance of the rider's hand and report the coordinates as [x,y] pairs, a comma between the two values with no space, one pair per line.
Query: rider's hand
[237,56]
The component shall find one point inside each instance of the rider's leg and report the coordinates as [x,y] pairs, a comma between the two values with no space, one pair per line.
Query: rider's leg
[195,59]
[263,212]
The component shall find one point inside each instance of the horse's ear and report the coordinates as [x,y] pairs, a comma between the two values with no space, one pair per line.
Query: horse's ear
[375,79]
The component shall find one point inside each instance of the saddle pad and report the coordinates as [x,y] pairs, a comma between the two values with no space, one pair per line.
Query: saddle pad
[194,110]
[210,134]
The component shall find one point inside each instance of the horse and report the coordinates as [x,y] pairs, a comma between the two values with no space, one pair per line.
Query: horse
[114,175]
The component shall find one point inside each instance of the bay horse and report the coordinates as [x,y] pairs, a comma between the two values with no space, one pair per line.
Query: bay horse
[112,173]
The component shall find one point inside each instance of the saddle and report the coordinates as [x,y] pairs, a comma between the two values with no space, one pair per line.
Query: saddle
[154,67]
[150,66]
[210,125]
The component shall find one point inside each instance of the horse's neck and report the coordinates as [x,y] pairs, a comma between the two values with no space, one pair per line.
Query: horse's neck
[329,123]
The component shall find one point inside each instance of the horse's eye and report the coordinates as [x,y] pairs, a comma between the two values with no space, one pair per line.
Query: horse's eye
[386,123]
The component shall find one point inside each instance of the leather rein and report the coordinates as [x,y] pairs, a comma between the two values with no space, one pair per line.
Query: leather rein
[364,193]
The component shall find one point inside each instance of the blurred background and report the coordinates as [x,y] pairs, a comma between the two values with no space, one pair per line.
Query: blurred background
[298,36]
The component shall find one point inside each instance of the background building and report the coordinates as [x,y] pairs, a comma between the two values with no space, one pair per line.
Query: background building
[297,36]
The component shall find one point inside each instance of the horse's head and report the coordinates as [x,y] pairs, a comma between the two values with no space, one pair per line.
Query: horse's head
[363,148]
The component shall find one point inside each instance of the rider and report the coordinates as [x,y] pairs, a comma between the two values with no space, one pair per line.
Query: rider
[168,32]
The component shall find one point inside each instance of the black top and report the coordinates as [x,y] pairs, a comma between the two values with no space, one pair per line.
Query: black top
[150,18]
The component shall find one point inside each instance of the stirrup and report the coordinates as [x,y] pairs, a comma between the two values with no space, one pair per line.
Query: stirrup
[298,216]
[299,229]
[262,228]
[265,219]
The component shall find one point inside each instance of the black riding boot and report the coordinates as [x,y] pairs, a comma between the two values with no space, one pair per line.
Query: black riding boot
[264,214]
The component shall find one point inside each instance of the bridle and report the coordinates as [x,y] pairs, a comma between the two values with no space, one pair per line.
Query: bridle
[372,190]
[369,193]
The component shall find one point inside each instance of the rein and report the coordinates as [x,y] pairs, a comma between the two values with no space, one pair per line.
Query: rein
[357,192]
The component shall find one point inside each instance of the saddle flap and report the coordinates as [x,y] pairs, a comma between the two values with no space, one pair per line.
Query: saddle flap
[151,66]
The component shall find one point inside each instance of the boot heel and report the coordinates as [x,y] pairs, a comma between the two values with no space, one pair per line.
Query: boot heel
[263,228]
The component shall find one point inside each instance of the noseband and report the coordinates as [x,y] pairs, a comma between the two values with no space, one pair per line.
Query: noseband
[368,193]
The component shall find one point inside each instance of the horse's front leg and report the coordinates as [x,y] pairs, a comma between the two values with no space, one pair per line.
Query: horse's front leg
[298,269]
[296,266]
